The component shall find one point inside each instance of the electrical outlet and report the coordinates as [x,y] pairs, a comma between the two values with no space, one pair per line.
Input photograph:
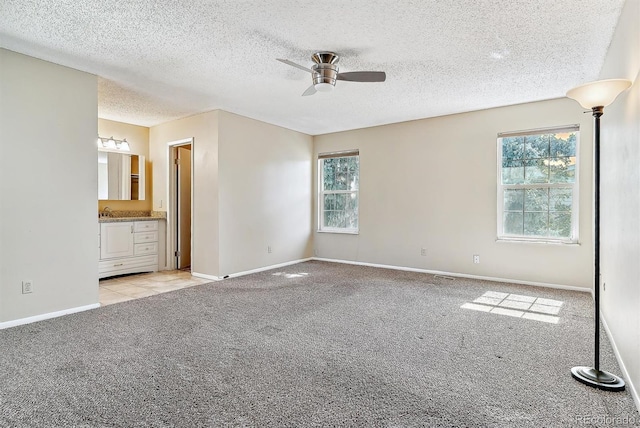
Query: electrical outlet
[269,249]
[476,259]
[423,251]
[27,287]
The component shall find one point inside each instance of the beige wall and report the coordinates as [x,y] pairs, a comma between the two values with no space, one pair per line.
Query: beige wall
[203,128]
[138,139]
[620,193]
[252,189]
[48,187]
[432,183]
[265,194]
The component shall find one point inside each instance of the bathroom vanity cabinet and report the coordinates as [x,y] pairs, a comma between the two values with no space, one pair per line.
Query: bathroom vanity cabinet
[128,247]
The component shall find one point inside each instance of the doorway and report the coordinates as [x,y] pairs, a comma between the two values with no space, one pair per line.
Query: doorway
[181,204]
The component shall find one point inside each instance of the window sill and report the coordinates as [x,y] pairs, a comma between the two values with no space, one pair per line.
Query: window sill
[342,232]
[537,241]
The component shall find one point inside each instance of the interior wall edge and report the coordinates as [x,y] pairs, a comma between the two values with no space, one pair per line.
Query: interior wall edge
[205,276]
[625,373]
[265,268]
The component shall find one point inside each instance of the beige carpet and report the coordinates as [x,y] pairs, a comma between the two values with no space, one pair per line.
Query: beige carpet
[313,344]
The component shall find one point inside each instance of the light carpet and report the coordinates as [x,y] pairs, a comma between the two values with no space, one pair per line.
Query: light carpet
[312,344]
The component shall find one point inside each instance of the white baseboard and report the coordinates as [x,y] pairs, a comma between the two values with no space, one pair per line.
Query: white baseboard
[248,272]
[458,275]
[205,276]
[42,317]
[625,373]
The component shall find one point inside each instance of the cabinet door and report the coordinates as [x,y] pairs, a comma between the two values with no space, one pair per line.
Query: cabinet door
[116,240]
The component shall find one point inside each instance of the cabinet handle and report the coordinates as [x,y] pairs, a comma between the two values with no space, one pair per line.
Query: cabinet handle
[131,228]
[119,264]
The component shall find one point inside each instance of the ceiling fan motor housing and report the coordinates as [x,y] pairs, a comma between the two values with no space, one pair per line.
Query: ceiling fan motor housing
[324,73]
[325,70]
[325,57]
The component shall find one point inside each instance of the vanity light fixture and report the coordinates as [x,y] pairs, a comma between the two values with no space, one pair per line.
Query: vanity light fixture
[113,144]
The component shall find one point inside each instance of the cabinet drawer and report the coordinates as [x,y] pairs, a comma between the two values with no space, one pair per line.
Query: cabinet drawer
[142,237]
[127,263]
[144,249]
[145,226]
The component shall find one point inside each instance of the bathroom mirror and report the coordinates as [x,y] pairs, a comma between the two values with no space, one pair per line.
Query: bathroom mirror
[120,176]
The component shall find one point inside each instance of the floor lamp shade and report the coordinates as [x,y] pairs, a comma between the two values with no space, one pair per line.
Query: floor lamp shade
[596,96]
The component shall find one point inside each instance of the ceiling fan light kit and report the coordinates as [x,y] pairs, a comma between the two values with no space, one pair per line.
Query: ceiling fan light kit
[325,73]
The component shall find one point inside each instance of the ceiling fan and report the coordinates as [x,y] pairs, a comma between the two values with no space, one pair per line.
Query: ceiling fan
[324,73]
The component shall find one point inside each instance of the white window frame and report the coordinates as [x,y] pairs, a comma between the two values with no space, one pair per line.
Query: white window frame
[574,238]
[322,192]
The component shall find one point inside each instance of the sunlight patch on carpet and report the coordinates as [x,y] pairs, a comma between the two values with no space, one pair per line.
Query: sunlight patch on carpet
[291,275]
[518,306]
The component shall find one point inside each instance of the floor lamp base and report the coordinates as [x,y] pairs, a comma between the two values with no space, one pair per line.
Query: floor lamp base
[597,378]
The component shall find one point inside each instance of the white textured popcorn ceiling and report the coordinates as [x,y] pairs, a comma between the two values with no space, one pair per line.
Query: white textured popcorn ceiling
[162,60]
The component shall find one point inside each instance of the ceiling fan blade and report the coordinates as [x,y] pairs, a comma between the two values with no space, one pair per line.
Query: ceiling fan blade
[293,64]
[310,91]
[363,76]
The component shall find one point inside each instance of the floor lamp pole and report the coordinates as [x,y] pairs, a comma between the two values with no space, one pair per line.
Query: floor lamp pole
[593,376]
[597,112]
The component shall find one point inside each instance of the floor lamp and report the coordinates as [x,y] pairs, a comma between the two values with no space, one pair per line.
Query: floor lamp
[596,96]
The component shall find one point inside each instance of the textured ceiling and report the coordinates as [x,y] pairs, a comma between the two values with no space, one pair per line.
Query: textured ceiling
[162,60]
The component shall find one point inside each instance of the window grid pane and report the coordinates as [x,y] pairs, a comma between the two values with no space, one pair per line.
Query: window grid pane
[513,223]
[537,212]
[536,146]
[539,158]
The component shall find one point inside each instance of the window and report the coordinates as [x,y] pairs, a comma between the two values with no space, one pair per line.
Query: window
[339,177]
[538,185]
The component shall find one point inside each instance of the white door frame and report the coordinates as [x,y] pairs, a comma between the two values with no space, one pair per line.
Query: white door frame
[172,205]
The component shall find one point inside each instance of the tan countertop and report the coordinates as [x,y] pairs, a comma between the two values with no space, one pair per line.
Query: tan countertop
[122,216]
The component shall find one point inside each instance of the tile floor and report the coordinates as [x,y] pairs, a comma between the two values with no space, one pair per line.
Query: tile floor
[128,287]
